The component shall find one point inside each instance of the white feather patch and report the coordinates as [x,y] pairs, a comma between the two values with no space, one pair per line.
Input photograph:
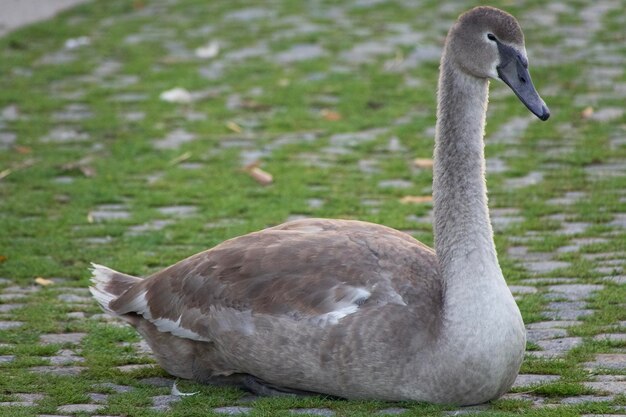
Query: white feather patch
[100,278]
[349,304]
[170,326]
[333,317]
[139,305]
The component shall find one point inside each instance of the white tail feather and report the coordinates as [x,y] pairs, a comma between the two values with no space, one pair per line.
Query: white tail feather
[101,276]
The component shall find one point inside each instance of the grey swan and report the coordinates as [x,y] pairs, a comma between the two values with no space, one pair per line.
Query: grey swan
[353,309]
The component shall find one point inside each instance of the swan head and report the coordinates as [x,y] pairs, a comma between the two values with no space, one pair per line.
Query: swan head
[487,42]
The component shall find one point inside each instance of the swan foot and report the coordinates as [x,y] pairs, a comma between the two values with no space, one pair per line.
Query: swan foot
[265,389]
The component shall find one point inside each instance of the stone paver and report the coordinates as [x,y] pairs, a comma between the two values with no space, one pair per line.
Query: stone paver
[614,337]
[133,368]
[531,379]
[80,408]
[62,338]
[23,400]
[611,387]
[163,402]
[232,411]
[608,361]
[575,292]
[324,412]
[113,387]
[580,399]
[57,370]
[391,411]
[158,382]
[556,347]
[6,325]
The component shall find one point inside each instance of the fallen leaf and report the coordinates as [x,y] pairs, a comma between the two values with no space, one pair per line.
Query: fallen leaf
[62,198]
[82,165]
[424,163]
[89,217]
[233,126]
[43,281]
[176,95]
[20,165]
[5,173]
[180,158]
[23,149]
[260,176]
[88,171]
[587,112]
[253,105]
[208,51]
[330,115]
[414,199]
[3,258]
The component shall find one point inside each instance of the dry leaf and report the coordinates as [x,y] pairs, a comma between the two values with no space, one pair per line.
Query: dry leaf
[89,217]
[253,105]
[260,176]
[330,115]
[3,258]
[20,165]
[180,158]
[424,163]
[82,165]
[414,199]
[88,171]
[5,173]
[209,50]
[587,112]
[176,95]
[23,149]
[43,281]
[233,126]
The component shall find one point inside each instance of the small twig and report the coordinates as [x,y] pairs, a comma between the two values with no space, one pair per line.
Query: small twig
[21,165]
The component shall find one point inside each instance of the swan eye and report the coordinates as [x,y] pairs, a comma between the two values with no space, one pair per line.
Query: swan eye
[491,37]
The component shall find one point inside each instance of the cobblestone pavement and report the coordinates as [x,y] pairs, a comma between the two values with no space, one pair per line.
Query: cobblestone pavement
[568,302]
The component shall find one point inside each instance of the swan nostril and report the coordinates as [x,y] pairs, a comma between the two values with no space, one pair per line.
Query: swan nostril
[522,80]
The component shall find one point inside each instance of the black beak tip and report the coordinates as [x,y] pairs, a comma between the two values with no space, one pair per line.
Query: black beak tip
[545,113]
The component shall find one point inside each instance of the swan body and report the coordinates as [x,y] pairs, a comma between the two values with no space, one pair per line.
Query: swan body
[354,309]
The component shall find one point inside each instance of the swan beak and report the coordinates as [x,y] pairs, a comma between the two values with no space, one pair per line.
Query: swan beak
[513,70]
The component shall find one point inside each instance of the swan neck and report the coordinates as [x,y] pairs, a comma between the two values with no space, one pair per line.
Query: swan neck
[463,233]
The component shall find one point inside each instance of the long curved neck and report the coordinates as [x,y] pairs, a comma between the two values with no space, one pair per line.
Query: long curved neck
[463,234]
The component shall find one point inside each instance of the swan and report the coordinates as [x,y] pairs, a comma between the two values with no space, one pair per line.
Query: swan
[354,309]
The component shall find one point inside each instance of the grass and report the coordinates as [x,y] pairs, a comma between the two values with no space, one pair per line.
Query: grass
[139,49]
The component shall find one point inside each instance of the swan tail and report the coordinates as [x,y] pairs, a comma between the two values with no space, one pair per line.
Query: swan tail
[108,284]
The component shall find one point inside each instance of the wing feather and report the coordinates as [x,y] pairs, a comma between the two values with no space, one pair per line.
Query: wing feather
[314,270]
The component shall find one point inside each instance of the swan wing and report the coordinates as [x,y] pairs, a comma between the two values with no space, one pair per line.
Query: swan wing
[314,271]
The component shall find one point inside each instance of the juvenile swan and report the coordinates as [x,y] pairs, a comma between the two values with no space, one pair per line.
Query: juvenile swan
[354,309]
